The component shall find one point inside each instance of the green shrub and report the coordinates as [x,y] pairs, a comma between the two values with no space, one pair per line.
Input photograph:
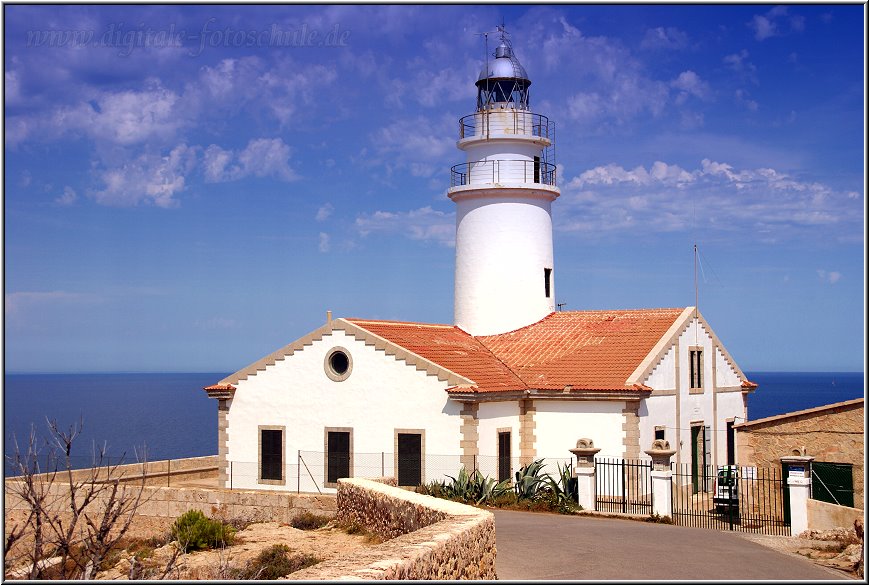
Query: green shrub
[309,521]
[195,531]
[275,562]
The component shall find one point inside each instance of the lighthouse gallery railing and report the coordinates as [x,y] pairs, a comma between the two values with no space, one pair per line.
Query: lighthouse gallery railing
[505,122]
[482,172]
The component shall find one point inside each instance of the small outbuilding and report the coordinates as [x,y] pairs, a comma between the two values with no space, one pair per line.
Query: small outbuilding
[833,434]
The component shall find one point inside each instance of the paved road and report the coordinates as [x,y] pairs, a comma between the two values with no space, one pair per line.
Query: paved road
[551,546]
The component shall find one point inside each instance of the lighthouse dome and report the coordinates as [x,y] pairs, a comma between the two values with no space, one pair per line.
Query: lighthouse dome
[504,66]
[503,81]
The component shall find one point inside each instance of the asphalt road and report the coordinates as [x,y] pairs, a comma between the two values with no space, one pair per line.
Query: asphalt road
[550,546]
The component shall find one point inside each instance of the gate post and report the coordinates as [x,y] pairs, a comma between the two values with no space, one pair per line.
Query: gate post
[800,489]
[585,452]
[662,477]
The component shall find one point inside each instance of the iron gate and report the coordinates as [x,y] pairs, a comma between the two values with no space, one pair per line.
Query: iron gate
[623,485]
[730,497]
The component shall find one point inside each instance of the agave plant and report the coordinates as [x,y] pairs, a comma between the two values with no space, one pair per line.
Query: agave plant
[563,487]
[529,481]
[474,488]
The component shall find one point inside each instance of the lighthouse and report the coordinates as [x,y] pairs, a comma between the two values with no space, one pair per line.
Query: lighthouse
[503,193]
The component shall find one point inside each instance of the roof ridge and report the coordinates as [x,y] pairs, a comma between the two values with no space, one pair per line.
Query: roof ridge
[406,323]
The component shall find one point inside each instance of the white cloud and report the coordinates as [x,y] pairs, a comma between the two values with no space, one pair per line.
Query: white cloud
[773,22]
[739,63]
[763,27]
[421,145]
[689,84]
[717,196]
[743,100]
[12,94]
[17,303]
[324,212]
[147,179]
[832,276]
[262,157]
[324,242]
[419,224]
[121,117]
[67,198]
[664,38]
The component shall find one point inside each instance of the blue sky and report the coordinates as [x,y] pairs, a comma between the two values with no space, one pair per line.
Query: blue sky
[182,193]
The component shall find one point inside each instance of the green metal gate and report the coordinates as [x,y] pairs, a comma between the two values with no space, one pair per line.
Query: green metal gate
[833,483]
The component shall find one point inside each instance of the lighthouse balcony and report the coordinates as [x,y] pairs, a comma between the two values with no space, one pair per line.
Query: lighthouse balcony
[490,172]
[507,123]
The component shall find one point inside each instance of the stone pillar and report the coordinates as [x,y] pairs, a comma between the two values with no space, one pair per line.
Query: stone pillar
[470,435]
[527,435]
[585,452]
[223,393]
[222,447]
[662,477]
[800,487]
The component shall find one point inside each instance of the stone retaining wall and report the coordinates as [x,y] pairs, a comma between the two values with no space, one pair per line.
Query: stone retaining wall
[430,538]
[826,516]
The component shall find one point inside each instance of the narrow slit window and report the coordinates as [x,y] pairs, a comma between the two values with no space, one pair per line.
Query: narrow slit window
[696,368]
[547,282]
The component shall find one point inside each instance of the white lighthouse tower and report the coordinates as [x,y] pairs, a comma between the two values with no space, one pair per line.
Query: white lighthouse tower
[504,193]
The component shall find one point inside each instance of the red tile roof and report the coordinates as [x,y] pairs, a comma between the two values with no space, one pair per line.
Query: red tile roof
[449,347]
[587,350]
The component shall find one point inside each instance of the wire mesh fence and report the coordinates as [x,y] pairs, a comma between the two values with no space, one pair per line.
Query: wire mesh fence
[318,471]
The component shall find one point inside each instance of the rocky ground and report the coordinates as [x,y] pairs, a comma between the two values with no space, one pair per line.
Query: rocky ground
[148,543]
[839,549]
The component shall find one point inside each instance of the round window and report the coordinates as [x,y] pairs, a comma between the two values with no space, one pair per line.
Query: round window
[338,364]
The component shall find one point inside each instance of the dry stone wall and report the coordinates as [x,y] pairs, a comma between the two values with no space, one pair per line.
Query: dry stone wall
[430,538]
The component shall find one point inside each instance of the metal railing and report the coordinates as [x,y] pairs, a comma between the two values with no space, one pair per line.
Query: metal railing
[484,172]
[507,121]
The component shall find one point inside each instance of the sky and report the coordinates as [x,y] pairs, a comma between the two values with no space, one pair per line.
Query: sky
[189,187]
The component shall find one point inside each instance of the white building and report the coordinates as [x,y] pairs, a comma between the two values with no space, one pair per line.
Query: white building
[512,380]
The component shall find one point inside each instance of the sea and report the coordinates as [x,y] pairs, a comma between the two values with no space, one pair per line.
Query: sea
[132,417]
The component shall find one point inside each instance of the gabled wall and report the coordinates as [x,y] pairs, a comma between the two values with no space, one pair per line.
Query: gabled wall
[677,407]
[380,395]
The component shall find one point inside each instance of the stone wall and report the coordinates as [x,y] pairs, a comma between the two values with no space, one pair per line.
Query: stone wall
[160,472]
[171,502]
[832,434]
[826,516]
[430,538]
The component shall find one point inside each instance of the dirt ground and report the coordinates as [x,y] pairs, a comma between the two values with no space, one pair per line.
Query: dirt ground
[146,531]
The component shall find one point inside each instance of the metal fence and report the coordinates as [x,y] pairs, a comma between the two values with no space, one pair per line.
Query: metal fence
[745,499]
[623,485]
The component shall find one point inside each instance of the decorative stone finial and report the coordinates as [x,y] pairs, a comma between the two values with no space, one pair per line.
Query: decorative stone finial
[585,452]
[660,454]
